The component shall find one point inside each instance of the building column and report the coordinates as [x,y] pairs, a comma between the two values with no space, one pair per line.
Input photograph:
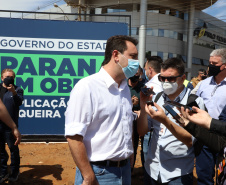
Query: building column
[142,32]
[190,39]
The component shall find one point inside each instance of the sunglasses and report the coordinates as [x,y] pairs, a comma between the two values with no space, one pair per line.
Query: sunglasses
[169,79]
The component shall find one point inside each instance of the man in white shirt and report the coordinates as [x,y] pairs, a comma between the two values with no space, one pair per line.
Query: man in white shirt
[98,123]
[152,70]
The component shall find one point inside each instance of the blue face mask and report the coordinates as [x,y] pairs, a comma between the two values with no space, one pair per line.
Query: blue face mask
[131,69]
[146,76]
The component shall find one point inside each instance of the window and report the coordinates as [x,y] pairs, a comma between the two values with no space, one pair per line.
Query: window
[196,60]
[185,16]
[205,62]
[170,55]
[177,14]
[161,33]
[184,58]
[152,32]
[154,53]
[180,36]
[160,54]
[184,38]
[153,11]
[134,31]
[166,33]
[167,12]
[172,34]
[109,10]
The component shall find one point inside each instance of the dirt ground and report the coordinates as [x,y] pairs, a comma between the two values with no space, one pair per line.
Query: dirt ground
[52,164]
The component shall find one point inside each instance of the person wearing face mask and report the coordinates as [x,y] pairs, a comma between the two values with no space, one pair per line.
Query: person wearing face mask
[170,158]
[99,118]
[12,97]
[212,90]
[152,70]
[201,76]
[135,84]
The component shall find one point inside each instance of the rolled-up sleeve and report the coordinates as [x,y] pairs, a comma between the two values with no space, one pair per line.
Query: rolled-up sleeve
[79,110]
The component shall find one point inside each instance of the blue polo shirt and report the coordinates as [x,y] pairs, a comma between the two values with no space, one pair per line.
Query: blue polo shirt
[167,156]
[214,96]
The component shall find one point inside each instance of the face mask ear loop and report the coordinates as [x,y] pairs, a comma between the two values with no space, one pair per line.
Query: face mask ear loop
[120,65]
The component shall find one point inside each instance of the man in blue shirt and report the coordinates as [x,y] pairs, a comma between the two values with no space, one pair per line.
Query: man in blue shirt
[212,90]
[169,160]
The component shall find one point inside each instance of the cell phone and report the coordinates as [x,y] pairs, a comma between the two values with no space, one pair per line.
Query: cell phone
[150,103]
[179,105]
[147,91]
[173,113]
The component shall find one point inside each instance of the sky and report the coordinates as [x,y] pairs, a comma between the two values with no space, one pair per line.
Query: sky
[217,10]
[28,5]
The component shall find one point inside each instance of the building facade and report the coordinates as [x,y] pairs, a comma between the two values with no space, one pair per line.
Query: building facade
[167,26]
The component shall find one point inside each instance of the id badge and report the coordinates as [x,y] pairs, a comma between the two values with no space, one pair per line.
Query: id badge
[162,129]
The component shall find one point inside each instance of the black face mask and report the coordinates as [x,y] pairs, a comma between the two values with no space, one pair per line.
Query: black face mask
[204,77]
[214,70]
[8,80]
[134,79]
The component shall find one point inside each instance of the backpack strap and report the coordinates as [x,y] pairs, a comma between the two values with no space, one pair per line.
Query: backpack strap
[191,100]
[155,100]
[158,96]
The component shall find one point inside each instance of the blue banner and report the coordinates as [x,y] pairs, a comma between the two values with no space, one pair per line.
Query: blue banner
[49,58]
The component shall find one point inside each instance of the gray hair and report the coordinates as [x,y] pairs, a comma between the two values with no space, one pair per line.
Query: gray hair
[219,52]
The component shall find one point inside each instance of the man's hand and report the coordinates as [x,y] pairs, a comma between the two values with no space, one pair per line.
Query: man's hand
[11,88]
[144,99]
[17,135]
[158,115]
[135,100]
[201,117]
[90,181]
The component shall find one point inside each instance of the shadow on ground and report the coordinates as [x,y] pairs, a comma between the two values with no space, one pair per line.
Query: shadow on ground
[36,175]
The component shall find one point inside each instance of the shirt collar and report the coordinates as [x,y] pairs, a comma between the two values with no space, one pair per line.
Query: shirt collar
[110,81]
[212,81]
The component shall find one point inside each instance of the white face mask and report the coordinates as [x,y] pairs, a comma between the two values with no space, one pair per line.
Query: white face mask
[169,88]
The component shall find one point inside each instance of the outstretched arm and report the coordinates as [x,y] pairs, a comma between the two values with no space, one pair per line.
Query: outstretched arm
[179,132]
[201,117]
[5,117]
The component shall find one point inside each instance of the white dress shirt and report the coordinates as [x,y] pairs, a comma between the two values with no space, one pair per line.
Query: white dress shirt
[101,112]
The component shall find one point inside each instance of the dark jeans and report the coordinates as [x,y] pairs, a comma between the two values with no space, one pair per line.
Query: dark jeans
[182,180]
[205,166]
[7,137]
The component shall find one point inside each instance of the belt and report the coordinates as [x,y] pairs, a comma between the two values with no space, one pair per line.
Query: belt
[110,163]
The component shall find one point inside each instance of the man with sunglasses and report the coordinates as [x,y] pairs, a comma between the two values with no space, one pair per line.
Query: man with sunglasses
[212,90]
[169,160]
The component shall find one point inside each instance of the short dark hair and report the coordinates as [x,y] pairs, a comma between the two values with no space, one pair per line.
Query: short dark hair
[202,70]
[155,62]
[174,63]
[117,42]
